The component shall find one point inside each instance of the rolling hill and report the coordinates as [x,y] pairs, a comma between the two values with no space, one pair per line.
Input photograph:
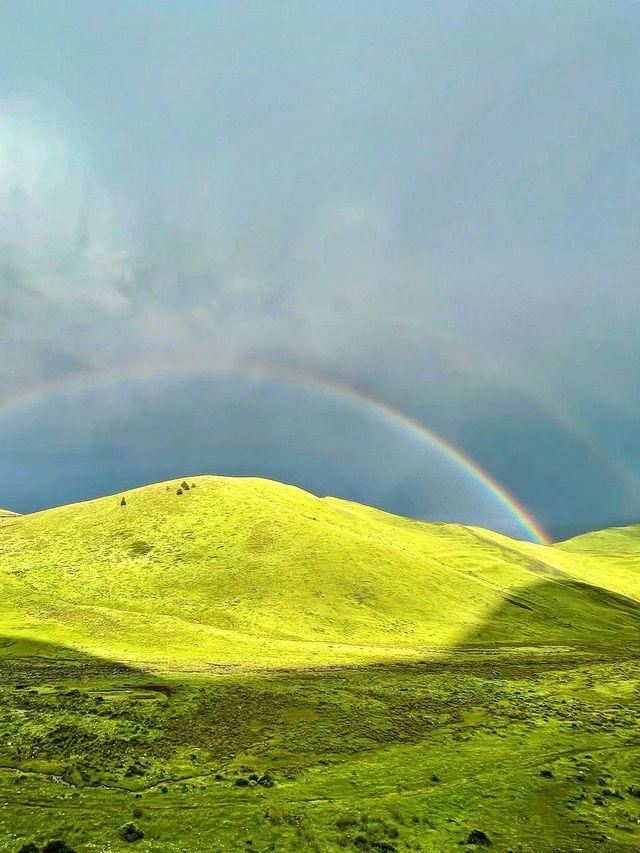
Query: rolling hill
[254,573]
[234,664]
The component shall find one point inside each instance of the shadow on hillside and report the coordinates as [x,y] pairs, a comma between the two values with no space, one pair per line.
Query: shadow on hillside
[553,611]
[298,719]
[558,610]
[27,661]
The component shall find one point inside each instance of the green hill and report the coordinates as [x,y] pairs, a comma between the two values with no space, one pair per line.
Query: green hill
[607,558]
[255,573]
[239,665]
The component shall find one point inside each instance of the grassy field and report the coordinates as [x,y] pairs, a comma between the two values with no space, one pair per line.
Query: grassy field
[244,666]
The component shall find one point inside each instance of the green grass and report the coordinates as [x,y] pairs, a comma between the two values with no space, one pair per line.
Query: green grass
[249,572]
[372,682]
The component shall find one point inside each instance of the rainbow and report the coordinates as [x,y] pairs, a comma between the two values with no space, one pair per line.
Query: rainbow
[89,380]
[551,405]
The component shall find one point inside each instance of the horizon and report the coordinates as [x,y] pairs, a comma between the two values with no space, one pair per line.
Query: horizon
[178,478]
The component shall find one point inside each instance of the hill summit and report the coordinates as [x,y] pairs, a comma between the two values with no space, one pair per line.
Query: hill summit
[216,571]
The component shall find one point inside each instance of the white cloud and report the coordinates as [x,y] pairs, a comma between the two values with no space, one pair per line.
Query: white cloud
[60,234]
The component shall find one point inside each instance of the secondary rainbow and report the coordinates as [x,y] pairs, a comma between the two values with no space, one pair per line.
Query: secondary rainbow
[88,380]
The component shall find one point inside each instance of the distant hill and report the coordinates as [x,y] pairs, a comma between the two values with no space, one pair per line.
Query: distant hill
[614,540]
[563,532]
[250,572]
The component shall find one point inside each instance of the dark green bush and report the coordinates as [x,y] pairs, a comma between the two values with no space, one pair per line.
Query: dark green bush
[130,832]
[477,836]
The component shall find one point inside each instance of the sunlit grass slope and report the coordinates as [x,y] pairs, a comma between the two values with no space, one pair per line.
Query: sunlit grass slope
[608,557]
[255,573]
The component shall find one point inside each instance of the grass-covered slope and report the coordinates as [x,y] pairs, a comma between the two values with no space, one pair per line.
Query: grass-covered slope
[253,572]
[614,540]
[478,690]
[607,558]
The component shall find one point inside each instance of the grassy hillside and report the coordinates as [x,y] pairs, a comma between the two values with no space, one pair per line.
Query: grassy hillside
[244,666]
[607,559]
[254,573]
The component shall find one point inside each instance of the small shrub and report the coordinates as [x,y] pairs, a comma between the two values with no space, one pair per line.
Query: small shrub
[184,486]
[29,848]
[241,783]
[130,832]
[57,847]
[477,836]
[546,774]
[123,502]
[179,492]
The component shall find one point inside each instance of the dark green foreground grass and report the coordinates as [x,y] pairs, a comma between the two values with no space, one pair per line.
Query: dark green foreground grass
[539,751]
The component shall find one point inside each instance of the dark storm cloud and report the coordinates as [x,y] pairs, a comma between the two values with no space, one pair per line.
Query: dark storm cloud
[434,202]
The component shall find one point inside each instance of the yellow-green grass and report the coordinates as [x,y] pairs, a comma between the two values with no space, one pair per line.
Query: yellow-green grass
[253,573]
[245,666]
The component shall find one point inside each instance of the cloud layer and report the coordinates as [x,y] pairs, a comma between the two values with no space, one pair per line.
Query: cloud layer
[436,205]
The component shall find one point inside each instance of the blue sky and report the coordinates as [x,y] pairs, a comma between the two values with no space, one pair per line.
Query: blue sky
[435,203]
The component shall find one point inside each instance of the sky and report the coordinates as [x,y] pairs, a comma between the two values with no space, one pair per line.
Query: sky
[222,215]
